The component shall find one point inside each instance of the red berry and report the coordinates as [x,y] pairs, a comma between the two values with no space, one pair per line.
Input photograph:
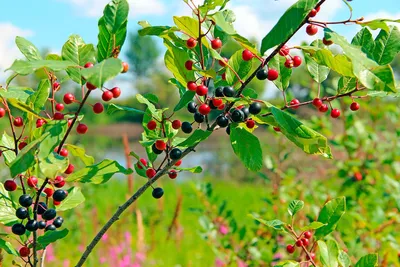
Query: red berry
[151,125]
[307,234]
[311,30]
[39,123]
[318,8]
[290,249]
[81,128]
[32,181]
[69,98]
[284,51]
[327,42]
[107,95]
[24,252]
[116,91]
[90,86]
[59,181]
[98,108]
[161,145]
[294,103]
[176,124]
[56,86]
[358,176]
[88,65]
[247,55]
[10,185]
[150,173]
[296,61]
[18,122]
[223,62]
[222,107]
[69,122]
[323,108]
[317,102]
[250,124]
[305,241]
[289,63]
[178,163]
[277,129]
[189,65]
[354,106]
[313,13]
[204,109]
[335,113]
[56,203]
[60,107]
[191,43]
[272,74]
[299,243]
[223,76]
[217,102]
[312,256]
[48,191]
[2,112]
[22,145]
[70,169]
[201,90]
[143,161]
[64,152]
[58,116]
[125,67]
[216,43]
[191,86]
[173,174]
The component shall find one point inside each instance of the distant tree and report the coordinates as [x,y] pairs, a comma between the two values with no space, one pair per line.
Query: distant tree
[143,53]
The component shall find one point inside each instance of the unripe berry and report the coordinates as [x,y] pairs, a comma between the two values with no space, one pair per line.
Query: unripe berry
[201,90]
[24,252]
[189,65]
[10,185]
[284,51]
[250,124]
[152,125]
[307,234]
[354,106]
[63,152]
[296,61]
[323,108]
[69,98]
[56,86]
[191,86]
[107,96]
[150,173]
[272,74]
[60,107]
[178,163]
[39,123]
[48,191]
[22,145]
[223,76]
[327,42]
[289,63]
[358,176]
[58,116]
[204,109]
[191,43]
[18,122]
[305,241]
[2,112]
[335,113]
[161,145]
[216,43]
[299,243]
[313,13]
[176,124]
[223,62]
[173,174]
[59,181]
[98,108]
[81,128]
[317,102]
[312,256]
[294,103]
[290,249]
[88,65]
[247,55]
[125,67]
[311,30]
[116,92]
[90,86]
[276,129]
[32,181]
[143,161]
[217,102]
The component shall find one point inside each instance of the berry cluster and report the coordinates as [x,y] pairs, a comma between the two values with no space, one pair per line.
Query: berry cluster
[302,241]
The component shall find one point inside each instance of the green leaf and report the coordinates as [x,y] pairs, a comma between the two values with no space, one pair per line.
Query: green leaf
[53,165]
[155,113]
[41,95]
[26,157]
[274,224]
[247,147]
[196,137]
[23,107]
[190,26]
[378,24]
[99,173]
[344,259]
[304,137]
[182,89]
[196,169]
[370,260]
[387,46]
[112,28]
[295,206]
[74,199]
[161,31]
[245,43]
[365,40]
[346,84]
[330,214]
[278,63]
[75,50]
[212,4]
[241,67]
[28,49]
[185,99]
[7,209]
[80,153]
[20,93]
[288,24]
[329,253]
[112,108]
[174,59]
[7,247]
[51,237]
[223,19]
[312,226]
[369,73]
[288,264]
[8,141]
[102,72]
[318,72]
[56,131]
[23,67]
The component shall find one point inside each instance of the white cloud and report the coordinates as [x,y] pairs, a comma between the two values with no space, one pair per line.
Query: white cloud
[382,15]
[94,8]
[8,49]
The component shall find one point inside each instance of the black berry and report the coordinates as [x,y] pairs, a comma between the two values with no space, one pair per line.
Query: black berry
[222,121]
[229,91]
[155,149]
[192,107]
[49,214]
[198,117]
[237,115]
[42,207]
[186,127]
[58,222]
[228,130]
[158,192]
[59,195]
[262,74]
[22,213]
[175,154]
[42,224]
[211,105]
[32,225]
[219,92]
[255,108]
[25,200]
[246,112]
[50,228]
[18,229]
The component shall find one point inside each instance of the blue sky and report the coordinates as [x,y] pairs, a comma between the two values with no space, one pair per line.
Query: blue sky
[48,23]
